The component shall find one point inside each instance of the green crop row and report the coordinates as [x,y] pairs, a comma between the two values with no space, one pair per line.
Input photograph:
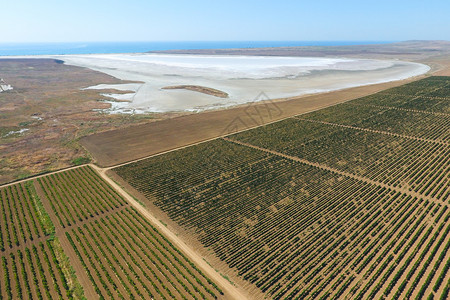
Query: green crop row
[32,274]
[127,257]
[78,194]
[23,216]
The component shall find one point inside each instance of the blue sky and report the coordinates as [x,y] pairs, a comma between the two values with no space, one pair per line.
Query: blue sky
[231,20]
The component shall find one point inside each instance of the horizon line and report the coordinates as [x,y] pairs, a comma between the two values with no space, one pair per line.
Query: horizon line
[200,41]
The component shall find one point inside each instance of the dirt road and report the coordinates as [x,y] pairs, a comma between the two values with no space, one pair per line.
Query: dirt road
[230,290]
[41,175]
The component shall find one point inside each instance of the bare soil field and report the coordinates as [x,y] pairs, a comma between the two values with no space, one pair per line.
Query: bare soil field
[46,115]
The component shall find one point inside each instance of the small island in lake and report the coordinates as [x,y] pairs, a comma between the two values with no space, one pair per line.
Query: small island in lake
[198,88]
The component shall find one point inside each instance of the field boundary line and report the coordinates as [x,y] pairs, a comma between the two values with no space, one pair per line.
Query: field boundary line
[402,109]
[251,127]
[349,101]
[229,289]
[43,175]
[376,131]
[415,96]
[220,136]
[214,138]
[343,173]
[62,231]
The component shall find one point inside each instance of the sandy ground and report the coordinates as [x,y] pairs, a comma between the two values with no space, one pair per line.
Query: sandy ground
[199,89]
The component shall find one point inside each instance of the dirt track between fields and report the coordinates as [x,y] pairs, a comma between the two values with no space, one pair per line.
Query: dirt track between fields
[331,169]
[230,290]
[376,131]
[40,176]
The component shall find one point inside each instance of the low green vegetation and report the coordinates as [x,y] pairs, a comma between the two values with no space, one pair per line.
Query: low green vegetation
[153,267]
[31,269]
[81,161]
[49,227]
[74,289]
[122,254]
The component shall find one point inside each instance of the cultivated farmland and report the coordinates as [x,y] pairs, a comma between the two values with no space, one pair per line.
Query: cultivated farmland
[126,257]
[33,264]
[71,235]
[77,195]
[24,219]
[404,162]
[351,200]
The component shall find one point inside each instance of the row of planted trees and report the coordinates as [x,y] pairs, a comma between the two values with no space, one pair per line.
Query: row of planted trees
[124,256]
[33,273]
[78,194]
[21,216]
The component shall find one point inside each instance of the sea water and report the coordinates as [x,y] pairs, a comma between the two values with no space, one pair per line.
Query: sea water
[7,49]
